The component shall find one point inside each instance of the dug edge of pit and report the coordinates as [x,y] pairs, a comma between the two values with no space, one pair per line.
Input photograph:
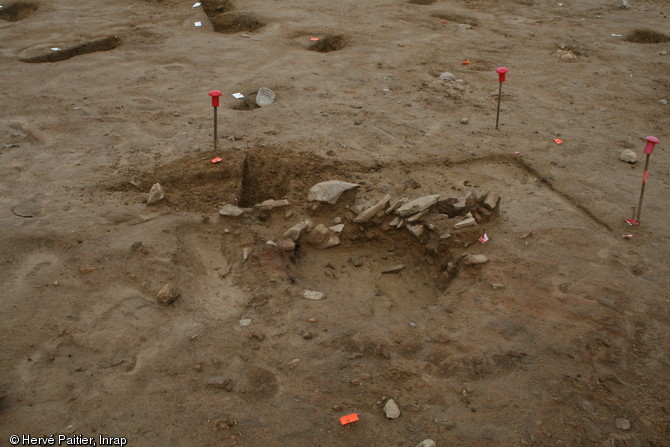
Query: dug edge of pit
[267,191]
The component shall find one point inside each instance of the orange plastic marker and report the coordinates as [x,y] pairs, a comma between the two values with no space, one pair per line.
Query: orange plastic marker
[348,419]
[466,62]
[558,141]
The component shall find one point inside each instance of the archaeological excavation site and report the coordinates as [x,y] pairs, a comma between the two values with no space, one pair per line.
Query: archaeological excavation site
[285,224]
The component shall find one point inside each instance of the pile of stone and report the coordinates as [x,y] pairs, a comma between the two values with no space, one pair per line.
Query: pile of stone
[432,217]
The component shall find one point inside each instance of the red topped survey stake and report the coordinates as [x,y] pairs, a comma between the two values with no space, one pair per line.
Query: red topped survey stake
[502,71]
[648,150]
[215,94]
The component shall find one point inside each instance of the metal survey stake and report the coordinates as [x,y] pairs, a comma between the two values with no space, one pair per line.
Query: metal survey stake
[502,71]
[648,150]
[215,94]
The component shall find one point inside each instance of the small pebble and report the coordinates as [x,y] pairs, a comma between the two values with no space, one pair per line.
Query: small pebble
[622,423]
[663,101]
[465,120]
[391,409]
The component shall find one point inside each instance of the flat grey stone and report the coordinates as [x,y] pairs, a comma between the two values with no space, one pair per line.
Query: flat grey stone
[396,205]
[467,222]
[418,216]
[330,191]
[417,205]
[231,210]
[270,204]
[392,269]
[371,212]
[313,295]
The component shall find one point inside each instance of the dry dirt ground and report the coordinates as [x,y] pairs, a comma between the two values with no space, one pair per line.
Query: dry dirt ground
[561,336]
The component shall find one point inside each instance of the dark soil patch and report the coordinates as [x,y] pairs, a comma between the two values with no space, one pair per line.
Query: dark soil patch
[456,18]
[17,11]
[646,36]
[215,7]
[91,46]
[329,43]
[235,22]
[422,2]
[246,103]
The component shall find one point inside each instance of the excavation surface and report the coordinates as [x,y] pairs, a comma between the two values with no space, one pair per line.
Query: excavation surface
[560,339]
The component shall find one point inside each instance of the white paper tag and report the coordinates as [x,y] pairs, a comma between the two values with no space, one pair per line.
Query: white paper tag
[55,49]
[196,5]
[617,35]
[198,23]
[238,95]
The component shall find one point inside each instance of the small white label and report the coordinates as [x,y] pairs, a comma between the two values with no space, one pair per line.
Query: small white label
[198,23]
[195,5]
[55,49]
[616,35]
[238,95]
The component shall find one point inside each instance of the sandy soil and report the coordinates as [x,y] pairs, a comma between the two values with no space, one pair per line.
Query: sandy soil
[561,336]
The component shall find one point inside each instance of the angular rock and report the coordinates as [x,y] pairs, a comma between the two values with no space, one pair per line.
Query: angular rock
[395,221]
[244,322]
[396,205]
[417,216]
[322,237]
[628,156]
[270,204]
[417,230]
[298,230]
[231,210]
[391,409]
[356,262]
[369,213]
[330,191]
[417,205]
[337,228]
[465,120]
[392,269]
[286,244]
[491,202]
[168,294]
[471,259]
[623,4]
[469,221]
[313,295]
[426,443]
[156,194]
